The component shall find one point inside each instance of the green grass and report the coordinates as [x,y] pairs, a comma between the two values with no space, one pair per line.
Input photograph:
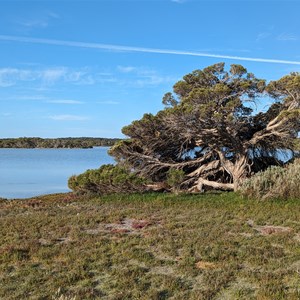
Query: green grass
[155,246]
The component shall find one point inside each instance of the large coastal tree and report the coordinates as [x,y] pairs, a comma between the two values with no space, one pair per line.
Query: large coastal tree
[208,131]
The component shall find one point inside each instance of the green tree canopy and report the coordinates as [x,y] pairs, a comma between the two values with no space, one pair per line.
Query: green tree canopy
[209,131]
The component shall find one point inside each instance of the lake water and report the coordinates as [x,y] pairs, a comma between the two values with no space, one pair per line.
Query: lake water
[31,172]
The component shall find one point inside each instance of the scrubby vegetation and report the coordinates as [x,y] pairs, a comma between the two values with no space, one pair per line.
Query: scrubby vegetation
[275,182]
[108,179]
[35,142]
[174,179]
[151,246]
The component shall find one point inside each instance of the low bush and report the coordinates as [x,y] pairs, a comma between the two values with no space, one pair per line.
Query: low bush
[107,179]
[275,182]
[175,178]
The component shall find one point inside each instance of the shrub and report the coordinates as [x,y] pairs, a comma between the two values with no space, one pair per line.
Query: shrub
[175,178]
[275,182]
[107,179]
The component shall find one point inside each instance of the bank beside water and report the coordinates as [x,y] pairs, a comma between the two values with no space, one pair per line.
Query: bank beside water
[69,142]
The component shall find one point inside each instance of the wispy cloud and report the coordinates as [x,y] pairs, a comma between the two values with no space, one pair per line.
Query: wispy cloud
[150,77]
[109,102]
[9,76]
[126,69]
[51,75]
[35,97]
[262,36]
[140,76]
[68,118]
[37,21]
[64,101]
[44,99]
[179,1]
[45,77]
[140,49]
[153,80]
[287,37]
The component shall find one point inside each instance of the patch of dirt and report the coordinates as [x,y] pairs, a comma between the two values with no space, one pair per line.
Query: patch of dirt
[95,230]
[44,242]
[58,241]
[126,226]
[63,240]
[297,237]
[269,229]
[205,265]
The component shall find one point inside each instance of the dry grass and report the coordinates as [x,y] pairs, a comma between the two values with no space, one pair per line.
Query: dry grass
[155,246]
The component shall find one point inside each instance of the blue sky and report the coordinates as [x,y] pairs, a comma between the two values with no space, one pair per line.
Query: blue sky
[87,68]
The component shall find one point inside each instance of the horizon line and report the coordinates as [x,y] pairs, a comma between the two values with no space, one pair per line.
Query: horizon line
[139,49]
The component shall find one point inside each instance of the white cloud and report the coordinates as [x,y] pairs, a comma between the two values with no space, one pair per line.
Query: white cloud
[262,36]
[40,21]
[141,49]
[178,1]
[68,118]
[153,79]
[142,76]
[51,75]
[64,101]
[46,77]
[83,79]
[9,76]
[44,99]
[109,102]
[31,97]
[75,75]
[34,23]
[287,37]
[127,69]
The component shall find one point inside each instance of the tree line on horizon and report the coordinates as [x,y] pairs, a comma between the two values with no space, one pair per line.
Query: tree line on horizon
[207,136]
[69,142]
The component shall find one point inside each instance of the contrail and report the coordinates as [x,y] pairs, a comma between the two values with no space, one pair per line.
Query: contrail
[139,49]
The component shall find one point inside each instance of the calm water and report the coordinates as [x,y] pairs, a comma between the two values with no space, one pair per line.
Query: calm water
[31,172]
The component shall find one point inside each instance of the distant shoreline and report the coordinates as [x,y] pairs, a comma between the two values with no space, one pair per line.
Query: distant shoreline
[69,142]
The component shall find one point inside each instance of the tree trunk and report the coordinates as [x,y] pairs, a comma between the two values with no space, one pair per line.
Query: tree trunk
[237,170]
[214,184]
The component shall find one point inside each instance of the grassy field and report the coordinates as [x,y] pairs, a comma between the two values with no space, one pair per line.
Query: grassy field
[155,246]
